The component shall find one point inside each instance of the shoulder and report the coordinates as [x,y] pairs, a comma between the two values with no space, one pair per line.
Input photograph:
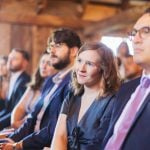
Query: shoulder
[25,75]
[127,89]
[130,84]
[69,99]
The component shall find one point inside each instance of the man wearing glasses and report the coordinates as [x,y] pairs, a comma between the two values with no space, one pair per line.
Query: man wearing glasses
[130,126]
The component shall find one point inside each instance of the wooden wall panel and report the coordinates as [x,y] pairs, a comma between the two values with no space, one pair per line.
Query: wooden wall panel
[21,37]
[5,38]
[40,36]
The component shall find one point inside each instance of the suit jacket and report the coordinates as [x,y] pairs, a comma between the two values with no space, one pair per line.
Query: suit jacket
[139,133]
[18,90]
[33,140]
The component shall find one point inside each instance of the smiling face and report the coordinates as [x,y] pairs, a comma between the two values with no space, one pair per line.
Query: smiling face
[141,45]
[87,68]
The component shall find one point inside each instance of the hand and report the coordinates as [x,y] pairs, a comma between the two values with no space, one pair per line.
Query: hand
[4,133]
[6,146]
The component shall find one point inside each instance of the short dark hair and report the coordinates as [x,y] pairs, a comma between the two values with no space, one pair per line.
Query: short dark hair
[24,53]
[67,36]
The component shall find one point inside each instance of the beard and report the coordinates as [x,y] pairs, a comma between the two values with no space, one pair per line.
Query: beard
[61,62]
[15,69]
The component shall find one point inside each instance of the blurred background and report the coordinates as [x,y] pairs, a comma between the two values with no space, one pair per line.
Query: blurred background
[28,23]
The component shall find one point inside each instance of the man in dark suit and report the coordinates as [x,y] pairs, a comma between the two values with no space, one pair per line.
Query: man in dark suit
[129,128]
[37,131]
[17,63]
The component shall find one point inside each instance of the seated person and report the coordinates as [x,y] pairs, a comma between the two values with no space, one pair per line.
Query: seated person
[17,63]
[131,69]
[86,112]
[30,97]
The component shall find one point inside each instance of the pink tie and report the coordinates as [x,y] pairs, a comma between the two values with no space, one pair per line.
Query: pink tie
[115,142]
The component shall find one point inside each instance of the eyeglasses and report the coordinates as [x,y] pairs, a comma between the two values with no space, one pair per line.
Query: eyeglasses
[143,33]
[56,46]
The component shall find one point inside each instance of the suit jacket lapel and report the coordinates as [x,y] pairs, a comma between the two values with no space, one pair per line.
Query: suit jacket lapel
[57,91]
[17,83]
[60,86]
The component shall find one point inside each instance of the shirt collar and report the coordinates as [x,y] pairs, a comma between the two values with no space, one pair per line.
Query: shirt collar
[144,76]
[60,75]
[16,74]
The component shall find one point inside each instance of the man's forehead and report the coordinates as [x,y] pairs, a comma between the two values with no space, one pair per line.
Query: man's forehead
[143,21]
[15,54]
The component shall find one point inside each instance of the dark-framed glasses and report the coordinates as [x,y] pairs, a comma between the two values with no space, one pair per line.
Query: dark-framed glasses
[143,33]
[56,46]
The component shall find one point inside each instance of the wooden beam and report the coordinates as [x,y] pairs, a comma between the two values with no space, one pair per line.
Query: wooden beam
[124,18]
[83,5]
[41,5]
[124,4]
[41,20]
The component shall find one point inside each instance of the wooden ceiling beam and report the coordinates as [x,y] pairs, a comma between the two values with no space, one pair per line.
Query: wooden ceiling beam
[41,20]
[124,18]
[125,4]
[41,5]
[83,5]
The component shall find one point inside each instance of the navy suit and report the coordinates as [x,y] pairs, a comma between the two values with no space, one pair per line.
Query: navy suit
[139,133]
[33,140]
[18,90]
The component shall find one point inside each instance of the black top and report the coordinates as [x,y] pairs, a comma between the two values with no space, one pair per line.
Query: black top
[88,133]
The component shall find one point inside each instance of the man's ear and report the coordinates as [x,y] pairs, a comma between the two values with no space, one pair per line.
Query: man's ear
[74,51]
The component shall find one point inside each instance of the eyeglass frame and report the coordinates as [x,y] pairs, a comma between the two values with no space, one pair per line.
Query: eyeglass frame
[143,32]
[55,45]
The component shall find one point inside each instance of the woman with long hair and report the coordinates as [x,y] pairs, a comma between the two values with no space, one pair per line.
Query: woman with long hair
[86,112]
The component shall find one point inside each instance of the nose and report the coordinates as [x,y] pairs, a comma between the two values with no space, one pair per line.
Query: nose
[53,50]
[44,65]
[137,38]
[82,67]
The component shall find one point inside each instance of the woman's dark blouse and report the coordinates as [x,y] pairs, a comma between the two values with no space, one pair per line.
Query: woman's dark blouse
[88,133]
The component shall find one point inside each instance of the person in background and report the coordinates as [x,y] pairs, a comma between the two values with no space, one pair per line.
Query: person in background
[129,127]
[122,51]
[131,69]
[30,97]
[18,60]
[86,112]
[4,80]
